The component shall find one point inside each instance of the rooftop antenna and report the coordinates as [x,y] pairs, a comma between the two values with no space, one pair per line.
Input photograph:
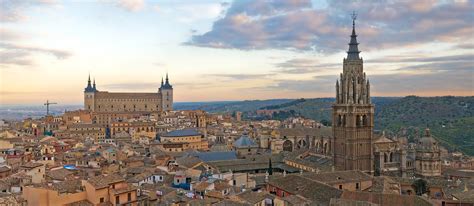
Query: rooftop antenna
[47,106]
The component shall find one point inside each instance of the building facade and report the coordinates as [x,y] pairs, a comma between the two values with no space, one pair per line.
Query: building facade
[353,114]
[428,157]
[103,101]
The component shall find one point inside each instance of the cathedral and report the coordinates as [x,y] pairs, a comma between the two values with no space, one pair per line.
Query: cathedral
[353,114]
[103,101]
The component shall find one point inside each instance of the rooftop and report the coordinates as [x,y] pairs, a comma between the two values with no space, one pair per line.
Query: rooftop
[103,181]
[182,133]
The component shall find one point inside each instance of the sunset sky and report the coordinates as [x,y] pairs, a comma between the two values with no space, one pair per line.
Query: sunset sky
[231,50]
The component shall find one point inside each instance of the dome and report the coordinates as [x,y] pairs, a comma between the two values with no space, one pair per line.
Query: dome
[427,142]
[244,141]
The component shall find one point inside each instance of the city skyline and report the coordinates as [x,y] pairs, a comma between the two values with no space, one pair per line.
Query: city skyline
[265,49]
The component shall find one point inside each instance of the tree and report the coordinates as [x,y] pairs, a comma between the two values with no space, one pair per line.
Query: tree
[420,186]
[270,169]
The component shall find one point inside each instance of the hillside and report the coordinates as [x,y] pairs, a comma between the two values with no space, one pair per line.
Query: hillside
[449,118]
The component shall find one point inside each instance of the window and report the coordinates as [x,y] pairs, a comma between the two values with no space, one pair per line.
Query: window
[357,186]
[117,200]
[101,199]
[129,196]
[340,187]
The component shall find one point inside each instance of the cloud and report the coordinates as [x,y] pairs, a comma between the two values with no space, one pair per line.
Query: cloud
[131,5]
[21,58]
[21,55]
[399,59]
[303,66]
[240,76]
[465,46]
[323,83]
[9,35]
[296,25]
[440,83]
[13,10]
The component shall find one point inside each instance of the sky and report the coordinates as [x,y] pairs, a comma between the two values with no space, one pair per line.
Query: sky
[231,50]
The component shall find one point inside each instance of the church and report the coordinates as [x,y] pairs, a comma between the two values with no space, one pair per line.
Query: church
[103,101]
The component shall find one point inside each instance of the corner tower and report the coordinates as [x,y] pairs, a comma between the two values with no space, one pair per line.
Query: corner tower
[89,95]
[166,91]
[353,114]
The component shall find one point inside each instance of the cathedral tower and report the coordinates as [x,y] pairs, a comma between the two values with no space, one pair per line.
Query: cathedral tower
[353,114]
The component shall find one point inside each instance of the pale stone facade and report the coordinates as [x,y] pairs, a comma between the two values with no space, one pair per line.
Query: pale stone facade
[103,101]
[353,115]
[390,157]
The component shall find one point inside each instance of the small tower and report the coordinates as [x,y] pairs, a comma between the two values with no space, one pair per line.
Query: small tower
[89,93]
[166,91]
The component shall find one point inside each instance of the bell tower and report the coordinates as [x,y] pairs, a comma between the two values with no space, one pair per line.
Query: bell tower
[353,114]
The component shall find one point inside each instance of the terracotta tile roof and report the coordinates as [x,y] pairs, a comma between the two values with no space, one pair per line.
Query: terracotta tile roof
[254,197]
[31,165]
[318,193]
[103,181]
[338,176]
[385,199]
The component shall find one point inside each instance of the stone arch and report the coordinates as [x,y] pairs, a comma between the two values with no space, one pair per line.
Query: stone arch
[318,145]
[288,146]
[365,120]
[301,143]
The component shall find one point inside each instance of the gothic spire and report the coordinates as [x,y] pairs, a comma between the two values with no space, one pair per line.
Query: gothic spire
[93,86]
[353,52]
[89,85]
[162,81]
[167,84]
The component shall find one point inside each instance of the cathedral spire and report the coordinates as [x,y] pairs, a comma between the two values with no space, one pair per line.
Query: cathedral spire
[167,82]
[162,82]
[353,52]
[93,85]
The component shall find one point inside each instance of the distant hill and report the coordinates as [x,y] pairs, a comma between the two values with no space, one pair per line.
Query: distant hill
[449,118]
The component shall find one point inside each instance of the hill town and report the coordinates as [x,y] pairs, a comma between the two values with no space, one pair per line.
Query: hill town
[135,149]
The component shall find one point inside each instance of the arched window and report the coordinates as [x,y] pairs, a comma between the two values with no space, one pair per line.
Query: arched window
[391,157]
[385,157]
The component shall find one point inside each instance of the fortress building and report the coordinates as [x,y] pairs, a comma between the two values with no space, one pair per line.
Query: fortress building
[353,114]
[103,101]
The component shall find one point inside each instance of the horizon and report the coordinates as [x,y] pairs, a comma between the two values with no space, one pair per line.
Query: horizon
[231,50]
[225,101]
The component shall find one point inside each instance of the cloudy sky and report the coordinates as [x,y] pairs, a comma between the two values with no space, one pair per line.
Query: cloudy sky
[231,50]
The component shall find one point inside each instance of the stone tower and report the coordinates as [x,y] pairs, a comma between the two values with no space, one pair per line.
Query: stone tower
[353,114]
[166,91]
[89,94]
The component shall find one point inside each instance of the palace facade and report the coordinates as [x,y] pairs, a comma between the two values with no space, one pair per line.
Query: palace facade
[103,101]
